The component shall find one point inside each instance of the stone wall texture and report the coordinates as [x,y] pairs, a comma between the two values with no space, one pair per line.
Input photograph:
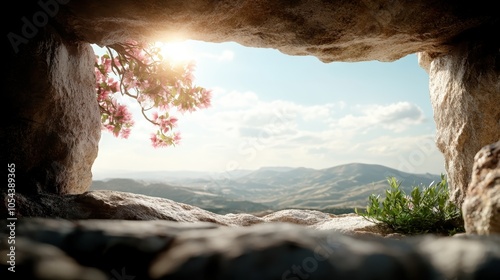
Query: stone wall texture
[481,207]
[52,129]
[101,249]
[336,30]
[465,96]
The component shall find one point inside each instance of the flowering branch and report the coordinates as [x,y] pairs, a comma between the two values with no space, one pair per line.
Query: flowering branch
[159,87]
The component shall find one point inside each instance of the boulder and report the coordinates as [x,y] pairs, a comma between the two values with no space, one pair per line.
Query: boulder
[329,30]
[465,96]
[40,260]
[52,129]
[176,250]
[116,205]
[481,208]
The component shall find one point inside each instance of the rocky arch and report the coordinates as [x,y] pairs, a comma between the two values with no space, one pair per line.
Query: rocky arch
[52,131]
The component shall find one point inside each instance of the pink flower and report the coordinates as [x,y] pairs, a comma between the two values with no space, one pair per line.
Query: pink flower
[102,94]
[98,75]
[157,142]
[113,85]
[124,115]
[117,63]
[155,116]
[106,63]
[173,121]
[125,133]
[177,138]
[155,84]
[165,123]
[154,140]
[205,100]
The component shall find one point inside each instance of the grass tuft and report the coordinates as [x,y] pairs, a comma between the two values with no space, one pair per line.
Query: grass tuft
[426,210]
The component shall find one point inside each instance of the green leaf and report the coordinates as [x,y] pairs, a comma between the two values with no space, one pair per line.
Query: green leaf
[423,211]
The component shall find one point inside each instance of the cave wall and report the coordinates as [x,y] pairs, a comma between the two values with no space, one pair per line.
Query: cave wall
[53,127]
[465,96]
[336,30]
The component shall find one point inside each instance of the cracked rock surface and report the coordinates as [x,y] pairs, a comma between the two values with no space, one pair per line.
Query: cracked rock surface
[107,249]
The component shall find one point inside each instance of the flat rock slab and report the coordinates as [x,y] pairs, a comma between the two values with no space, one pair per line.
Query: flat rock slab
[344,223]
[116,205]
[158,249]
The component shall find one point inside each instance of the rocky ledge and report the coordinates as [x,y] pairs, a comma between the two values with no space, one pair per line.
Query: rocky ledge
[116,205]
[159,249]
[119,235]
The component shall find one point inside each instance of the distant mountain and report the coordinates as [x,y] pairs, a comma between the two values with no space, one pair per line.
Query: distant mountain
[169,175]
[340,186]
[197,197]
[343,186]
[275,168]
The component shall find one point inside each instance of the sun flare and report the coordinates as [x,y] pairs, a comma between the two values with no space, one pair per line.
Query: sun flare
[176,52]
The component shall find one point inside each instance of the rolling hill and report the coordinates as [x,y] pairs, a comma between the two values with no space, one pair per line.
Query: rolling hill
[274,188]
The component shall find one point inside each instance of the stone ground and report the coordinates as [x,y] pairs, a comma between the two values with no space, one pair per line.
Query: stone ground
[116,235]
[322,246]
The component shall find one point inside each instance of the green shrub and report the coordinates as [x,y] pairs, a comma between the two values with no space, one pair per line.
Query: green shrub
[423,211]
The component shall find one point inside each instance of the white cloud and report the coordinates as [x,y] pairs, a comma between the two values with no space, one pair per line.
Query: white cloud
[411,154]
[242,115]
[277,121]
[245,112]
[396,117]
[243,129]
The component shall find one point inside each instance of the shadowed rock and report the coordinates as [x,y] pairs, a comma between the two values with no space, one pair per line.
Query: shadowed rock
[330,30]
[481,207]
[52,133]
[117,205]
[173,250]
[52,130]
[465,96]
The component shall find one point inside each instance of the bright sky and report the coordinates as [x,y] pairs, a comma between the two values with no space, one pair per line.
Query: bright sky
[271,109]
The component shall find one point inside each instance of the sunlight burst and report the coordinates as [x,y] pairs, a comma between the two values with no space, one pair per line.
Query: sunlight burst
[177,52]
